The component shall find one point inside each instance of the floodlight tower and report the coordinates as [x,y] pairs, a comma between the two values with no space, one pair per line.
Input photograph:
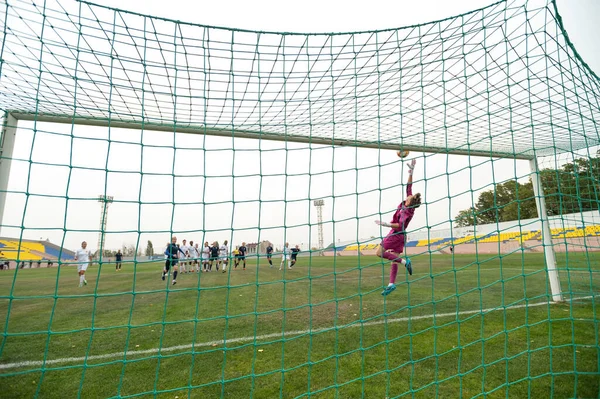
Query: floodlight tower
[319,204]
[105,201]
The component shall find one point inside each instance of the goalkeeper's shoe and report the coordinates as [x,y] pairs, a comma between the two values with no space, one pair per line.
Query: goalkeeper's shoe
[388,290]
[408,266]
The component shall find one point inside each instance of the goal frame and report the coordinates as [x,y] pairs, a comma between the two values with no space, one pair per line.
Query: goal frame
[12,118]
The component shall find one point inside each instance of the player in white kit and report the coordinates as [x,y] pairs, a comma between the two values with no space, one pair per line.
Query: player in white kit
[184,259]
[197,252]
[285,255]
[224,255]
[193,256]
[82,257]
[205,256]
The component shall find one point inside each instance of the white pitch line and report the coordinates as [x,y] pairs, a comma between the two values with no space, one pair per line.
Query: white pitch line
[528,272]
[116,355]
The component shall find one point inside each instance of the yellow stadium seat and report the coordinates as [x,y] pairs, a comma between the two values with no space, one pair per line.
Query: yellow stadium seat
[591,230]
[33,246]
[13,251]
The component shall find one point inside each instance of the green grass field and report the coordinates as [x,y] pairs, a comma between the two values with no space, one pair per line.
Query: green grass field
[459,327]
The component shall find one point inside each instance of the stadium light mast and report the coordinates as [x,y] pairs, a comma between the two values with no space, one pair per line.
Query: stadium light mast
[319,204]
[105,201]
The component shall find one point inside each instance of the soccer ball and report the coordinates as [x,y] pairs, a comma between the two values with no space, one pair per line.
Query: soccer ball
[403,153]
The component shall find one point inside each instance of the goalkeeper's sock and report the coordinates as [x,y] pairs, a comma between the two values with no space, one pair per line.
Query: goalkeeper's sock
[393,273]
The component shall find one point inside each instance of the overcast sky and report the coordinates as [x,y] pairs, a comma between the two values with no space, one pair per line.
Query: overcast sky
[274,183]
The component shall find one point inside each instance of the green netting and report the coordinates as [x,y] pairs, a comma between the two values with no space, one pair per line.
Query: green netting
[215,134]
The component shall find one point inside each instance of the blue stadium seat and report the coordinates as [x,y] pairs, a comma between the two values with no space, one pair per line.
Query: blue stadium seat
[55,252]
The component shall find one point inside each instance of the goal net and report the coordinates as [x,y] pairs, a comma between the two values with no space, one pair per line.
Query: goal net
[275,153]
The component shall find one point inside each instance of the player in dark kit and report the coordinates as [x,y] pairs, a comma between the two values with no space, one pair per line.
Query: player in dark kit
[270,254]
[172,254]
[294,255]
[241,256]
[214,256]
[119,259]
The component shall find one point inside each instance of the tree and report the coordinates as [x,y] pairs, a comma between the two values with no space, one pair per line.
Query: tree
[149,249]
[486,208]
[107,253]
[518,201]
[510,200]
[128,250]
[466,217]
[572,188]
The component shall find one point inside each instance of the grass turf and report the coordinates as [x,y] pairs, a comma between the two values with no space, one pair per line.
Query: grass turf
[322,329]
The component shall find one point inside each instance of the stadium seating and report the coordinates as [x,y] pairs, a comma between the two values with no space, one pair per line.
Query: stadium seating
[576,232]
[557,233]
[530,235]
[435,244]
[28,250]
[54,251]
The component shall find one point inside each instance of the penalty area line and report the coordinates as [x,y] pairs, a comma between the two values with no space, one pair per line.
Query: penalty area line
[288,334]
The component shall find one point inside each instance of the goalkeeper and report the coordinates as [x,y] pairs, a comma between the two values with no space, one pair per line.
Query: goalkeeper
[392,246]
